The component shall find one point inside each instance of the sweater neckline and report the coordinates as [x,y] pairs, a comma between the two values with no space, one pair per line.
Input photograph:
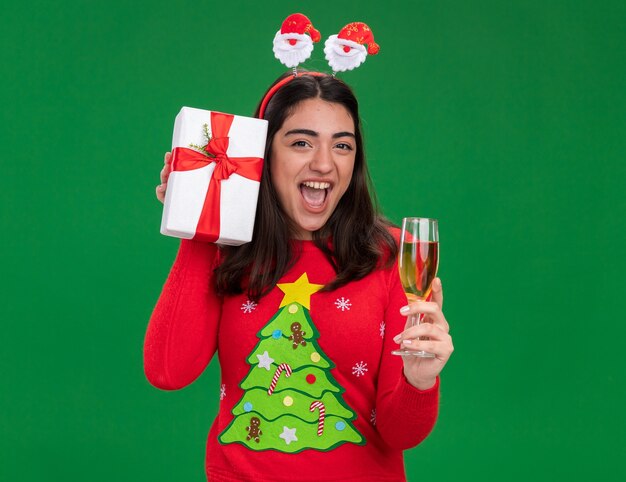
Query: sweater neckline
[306,245]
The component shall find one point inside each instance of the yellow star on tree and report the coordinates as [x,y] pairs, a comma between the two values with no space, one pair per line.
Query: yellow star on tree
[299,291]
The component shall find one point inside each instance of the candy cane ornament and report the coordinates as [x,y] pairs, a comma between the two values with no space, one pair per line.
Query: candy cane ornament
[282,367]
[320,422]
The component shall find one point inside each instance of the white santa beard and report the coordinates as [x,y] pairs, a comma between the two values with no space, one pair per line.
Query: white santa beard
[292,55]
[338,59]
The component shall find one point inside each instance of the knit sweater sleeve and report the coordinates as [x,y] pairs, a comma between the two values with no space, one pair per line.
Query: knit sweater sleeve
[181,337]
[404,415]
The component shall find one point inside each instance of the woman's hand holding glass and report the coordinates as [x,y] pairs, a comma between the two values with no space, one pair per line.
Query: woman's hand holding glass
[422,372]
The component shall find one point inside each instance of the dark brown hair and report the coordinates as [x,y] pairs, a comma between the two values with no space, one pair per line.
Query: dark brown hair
[355,239]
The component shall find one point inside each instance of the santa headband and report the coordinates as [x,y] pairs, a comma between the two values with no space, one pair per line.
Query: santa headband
[344,51]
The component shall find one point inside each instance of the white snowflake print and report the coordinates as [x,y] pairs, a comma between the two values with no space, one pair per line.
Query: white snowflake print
[222,392]
[343,304]
[359,369]
[373,416]
[248,306]
[382,329]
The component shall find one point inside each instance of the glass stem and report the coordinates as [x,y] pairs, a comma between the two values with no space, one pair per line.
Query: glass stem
[416,320]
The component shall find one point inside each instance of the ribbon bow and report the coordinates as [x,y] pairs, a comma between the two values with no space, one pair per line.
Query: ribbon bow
[184,159]
[217,147]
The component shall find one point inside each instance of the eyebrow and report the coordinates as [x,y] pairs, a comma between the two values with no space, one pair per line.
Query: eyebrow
[311,133]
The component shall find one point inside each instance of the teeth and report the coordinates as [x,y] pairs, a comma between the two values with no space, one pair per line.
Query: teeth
[317,185]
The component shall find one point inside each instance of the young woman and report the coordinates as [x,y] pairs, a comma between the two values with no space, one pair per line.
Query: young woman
[304,318]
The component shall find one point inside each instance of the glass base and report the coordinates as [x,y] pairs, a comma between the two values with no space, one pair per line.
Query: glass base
[420,354]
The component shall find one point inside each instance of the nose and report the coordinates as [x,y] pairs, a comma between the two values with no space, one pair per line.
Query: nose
[322,161]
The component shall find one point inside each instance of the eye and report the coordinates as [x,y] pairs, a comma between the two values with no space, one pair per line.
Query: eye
[300,144]
[344,147]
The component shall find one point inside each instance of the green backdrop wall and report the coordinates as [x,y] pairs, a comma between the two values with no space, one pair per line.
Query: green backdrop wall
[505,120]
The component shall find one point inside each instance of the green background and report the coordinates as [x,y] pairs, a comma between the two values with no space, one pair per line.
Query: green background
[505,120]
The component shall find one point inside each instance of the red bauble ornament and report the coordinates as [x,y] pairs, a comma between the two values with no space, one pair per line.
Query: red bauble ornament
[310,379]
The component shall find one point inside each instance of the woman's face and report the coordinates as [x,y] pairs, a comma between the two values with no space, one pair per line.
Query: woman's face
[312,159]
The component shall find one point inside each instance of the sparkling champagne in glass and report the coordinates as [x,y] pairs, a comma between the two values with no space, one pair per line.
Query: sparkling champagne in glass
[418,260]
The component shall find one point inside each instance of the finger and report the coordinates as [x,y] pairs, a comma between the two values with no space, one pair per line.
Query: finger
[429,330]
[438,319]
[160,192]
[426,332]
[417,307]
[441,349]
[430,309]
[168,158]
[437,292]
[165,174]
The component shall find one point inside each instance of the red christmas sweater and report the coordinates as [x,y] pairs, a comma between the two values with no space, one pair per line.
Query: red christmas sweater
[310,390]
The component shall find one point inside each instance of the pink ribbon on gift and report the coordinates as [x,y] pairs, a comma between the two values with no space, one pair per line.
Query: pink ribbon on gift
[184,159]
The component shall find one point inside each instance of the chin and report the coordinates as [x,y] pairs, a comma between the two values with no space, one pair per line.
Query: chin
[307,228]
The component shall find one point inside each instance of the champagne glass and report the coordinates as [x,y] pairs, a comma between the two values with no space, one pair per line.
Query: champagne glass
[418,260]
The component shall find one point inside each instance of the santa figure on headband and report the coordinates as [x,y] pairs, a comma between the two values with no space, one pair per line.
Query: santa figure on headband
[292,45]
[346,50]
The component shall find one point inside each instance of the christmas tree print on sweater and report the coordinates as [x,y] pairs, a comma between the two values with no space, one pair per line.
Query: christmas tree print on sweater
[291,400]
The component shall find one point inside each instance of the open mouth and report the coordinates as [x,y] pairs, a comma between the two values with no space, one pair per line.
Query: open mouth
[315,193]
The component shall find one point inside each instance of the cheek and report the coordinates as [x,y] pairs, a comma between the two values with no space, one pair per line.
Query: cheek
[275,171]
[346,175]
[280,181]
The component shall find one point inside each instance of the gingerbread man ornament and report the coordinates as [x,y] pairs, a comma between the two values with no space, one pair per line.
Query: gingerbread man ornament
[297,335]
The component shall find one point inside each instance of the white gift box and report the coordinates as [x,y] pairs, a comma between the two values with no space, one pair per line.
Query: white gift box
[187,190]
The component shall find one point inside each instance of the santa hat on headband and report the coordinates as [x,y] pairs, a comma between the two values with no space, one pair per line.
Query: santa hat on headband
[346,51]
[292,45]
